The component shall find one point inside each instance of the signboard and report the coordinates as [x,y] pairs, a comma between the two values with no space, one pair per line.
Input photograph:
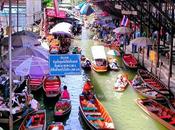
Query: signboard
[153,56]
[65,64]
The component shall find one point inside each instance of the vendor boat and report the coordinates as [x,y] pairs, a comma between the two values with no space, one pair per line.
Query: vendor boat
[34,121]
[154,83]
[52,86]
[34,82]
[158,112]
[85,63]
[56,126]
[99,63]
[62,108]
[130,61]
[96,116]
[121,83]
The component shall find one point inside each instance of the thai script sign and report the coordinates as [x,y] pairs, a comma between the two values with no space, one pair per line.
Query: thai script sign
[65,64]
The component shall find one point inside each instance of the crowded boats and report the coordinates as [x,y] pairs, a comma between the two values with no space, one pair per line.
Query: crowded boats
[37,99]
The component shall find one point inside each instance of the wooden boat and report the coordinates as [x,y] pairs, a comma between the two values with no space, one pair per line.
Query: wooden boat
[99,63]
[96,117]
[143,89]
[130,61]
[121,83]
[52,86]
[154,83]
[56,126]
[85,63]
[34,121]
[62,108]
[158,112]
[34,83]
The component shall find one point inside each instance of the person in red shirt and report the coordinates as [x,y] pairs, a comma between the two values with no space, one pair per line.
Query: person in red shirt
[65,93]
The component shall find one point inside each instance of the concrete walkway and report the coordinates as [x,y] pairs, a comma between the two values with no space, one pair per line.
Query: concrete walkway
[162,71]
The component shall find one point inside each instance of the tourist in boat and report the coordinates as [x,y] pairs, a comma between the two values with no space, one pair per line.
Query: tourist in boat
[65,93]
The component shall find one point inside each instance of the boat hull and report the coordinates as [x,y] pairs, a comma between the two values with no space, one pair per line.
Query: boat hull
[99,68]
[41,124]
[130,61]
[154,116]
[58,115]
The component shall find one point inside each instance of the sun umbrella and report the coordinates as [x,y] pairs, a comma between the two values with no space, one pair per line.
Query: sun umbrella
[32,66]
[31,51]
[110,25]
[113,53]
[25,65]
[21,41]
[86,9]
[100,22]
[142,41]
[61,28]
[122,30]
[27,33]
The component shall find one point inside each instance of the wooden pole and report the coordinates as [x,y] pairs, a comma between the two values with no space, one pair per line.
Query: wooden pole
[17,15]
[10,64]
[171,51]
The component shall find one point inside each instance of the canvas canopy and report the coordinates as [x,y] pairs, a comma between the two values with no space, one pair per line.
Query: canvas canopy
[98,52]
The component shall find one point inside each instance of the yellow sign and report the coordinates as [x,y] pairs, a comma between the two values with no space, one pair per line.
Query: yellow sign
[153,56]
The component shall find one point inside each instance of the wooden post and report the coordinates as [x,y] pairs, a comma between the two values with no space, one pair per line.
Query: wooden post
[10,64]
[171,51]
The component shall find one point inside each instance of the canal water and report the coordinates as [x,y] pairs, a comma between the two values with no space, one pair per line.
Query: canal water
[120,105]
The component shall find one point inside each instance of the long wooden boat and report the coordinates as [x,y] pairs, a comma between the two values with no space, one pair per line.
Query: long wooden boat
[130,61]
[56,126]
[96,117]
[99,63]
[35,83]
[143,89]
[34,121]
[158,112]
[121,83]
[62,108]
[154,83]
[52,86]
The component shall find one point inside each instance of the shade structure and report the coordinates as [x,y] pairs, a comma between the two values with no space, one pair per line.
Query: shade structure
[142,41]
[100,22]
[31,51]
[122,30]
[113,53]
[26,33]
[21,41]
[61,28]
[29,65]
[98,52]
[86,9]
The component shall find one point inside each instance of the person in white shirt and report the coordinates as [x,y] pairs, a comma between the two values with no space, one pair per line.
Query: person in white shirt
[33,103]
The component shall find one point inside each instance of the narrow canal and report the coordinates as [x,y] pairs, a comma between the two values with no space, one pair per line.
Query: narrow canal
[120,105]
